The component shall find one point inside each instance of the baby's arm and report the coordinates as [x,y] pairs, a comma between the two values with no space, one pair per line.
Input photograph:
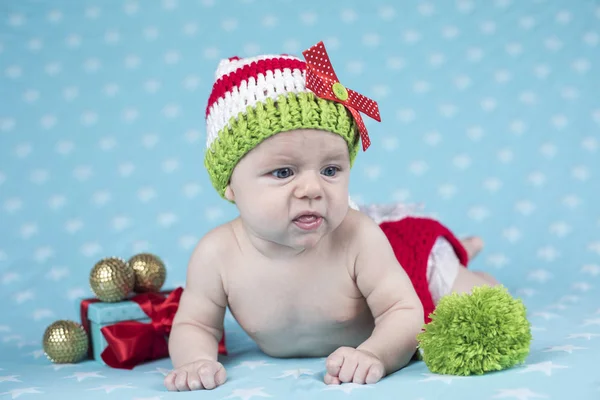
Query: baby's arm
[198,323]
[391,297]
[395,306]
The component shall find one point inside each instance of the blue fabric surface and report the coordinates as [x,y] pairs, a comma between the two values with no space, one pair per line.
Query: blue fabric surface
[490,117]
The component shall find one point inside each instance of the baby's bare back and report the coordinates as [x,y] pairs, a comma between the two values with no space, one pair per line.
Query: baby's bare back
[308,307]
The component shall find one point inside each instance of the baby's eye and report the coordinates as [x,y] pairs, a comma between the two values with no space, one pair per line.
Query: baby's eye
[330,171]
[282,173]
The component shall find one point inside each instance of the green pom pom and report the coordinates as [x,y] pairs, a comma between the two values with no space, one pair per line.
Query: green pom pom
[471,334]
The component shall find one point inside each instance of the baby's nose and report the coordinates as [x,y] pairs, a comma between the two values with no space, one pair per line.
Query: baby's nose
[310,185]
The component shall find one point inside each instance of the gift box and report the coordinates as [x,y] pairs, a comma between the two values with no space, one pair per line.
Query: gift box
[127,333]
[104,314]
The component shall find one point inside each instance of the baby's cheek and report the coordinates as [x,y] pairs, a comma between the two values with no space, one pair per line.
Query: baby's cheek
[273,205]
[257,200]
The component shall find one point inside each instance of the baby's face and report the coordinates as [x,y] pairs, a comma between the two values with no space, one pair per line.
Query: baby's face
[292,189]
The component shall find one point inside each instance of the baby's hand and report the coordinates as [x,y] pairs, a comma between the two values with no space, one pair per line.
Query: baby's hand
[201,374]
[351,365]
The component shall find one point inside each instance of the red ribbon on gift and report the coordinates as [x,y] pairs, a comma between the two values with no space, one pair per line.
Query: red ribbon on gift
[322,80]
[132,342]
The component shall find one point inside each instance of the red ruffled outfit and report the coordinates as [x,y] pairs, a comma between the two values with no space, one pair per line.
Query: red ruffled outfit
[412,239]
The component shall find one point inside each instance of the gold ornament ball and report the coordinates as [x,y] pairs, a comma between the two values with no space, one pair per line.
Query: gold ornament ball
[65,342]
[150,272]
[112,279]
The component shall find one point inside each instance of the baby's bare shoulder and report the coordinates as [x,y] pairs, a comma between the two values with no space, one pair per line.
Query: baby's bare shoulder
[209,261]
[214,249]
[358,228]
[215,241]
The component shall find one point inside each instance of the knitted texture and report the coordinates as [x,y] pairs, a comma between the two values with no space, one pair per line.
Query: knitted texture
[255,98]
[412,239]
[472,334]
[294,111]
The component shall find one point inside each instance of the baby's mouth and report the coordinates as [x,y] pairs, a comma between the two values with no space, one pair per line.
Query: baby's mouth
[308,222]
[307,218]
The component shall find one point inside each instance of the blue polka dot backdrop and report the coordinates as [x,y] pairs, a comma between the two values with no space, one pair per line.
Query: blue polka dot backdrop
[490,122]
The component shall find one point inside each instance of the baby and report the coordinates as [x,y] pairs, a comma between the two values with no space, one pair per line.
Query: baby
[304,272]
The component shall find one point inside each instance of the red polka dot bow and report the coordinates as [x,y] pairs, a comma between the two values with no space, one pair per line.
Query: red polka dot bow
[322,80]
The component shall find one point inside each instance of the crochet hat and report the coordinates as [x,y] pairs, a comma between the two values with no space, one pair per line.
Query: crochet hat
[255,98]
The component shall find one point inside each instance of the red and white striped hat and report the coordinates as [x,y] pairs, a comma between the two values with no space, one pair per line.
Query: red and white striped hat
[257,97]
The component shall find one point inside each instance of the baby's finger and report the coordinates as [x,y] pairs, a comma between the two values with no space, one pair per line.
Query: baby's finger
[334,364]
[194,382]
[207,375]
[375,374]
[221,375]
[181,381]
[360,375]
[331,380]
[347,371]
[170,381]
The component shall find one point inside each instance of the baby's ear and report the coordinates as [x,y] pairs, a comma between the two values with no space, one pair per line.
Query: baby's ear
[229,195]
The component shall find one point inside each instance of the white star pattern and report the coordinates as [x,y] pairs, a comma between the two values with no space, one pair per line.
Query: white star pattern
[158,370]
[566,348]
[58,367]
[16,393]
[525,207]
[110,388]
[537,328]
[80,376]
[595,321]
[512,234]
[492,184]
[546,315]
[497,260]
[526,292]
[247,394]
[570,298]
[591,269]
[347,387]
[582,286]
[442,378]
[540,275]
[147,398]
[36,353]
[11,378]
[295,373]
[546,367]
[548,253]
[10,338]
[595,247]
[590,144]
[558,306]
[587,336]
[520,394]
[571,201]
[253,364]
